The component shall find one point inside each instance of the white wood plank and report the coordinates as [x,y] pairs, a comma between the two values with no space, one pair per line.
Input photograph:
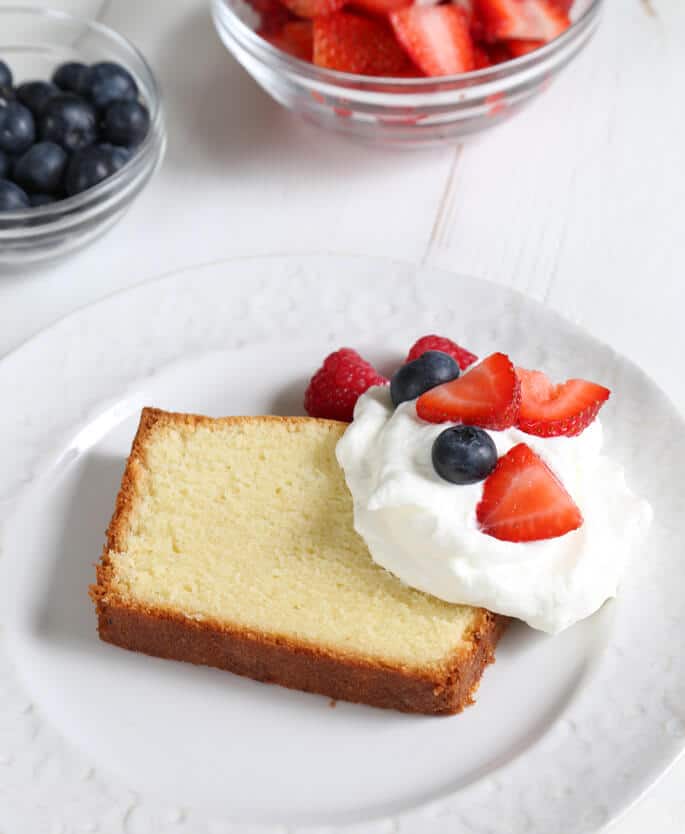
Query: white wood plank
[580,200]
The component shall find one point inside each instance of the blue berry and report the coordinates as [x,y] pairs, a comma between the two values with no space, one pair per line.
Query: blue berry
[12,197]
[5,75]
[69,121]
[464,455]
[71,77]
[118,157]
[37,200]
[35,95]
[17,128]
[87,168]
[5,165]
[107,82]
[41,168]
[126,123]
[431,368]
[6,95]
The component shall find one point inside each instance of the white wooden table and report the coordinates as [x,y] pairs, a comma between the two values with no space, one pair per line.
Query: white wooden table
[580,201]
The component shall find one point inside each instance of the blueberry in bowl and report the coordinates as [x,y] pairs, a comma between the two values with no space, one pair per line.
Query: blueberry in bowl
[17,128]
[12,198]
[81,131]
[35,95]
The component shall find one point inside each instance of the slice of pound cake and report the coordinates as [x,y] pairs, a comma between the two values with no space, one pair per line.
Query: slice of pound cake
[232,545]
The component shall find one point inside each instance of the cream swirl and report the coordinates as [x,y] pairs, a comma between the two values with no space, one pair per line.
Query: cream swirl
[424,529]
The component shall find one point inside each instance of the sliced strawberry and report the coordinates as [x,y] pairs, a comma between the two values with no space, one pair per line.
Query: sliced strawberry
[313,8]
[272,16]
[497,52]
[468,7]
[522,19]
[351,43]
[518,48]
[432,342]
[563,5]
[299,38]
[437,38]
[488,396]
[382,7]
[524,501]
[549,410]
[481,57]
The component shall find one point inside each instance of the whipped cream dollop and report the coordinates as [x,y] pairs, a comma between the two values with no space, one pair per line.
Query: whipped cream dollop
[424,530]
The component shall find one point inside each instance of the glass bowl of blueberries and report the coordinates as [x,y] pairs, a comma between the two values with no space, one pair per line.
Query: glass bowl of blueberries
[81,131]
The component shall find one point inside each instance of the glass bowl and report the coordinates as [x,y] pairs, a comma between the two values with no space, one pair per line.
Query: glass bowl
[402,112]
[33,41]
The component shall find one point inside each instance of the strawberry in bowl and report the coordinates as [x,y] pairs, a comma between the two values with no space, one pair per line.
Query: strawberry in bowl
[400,72]
[404,39]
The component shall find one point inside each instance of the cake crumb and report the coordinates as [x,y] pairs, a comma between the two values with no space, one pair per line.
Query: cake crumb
[332,703]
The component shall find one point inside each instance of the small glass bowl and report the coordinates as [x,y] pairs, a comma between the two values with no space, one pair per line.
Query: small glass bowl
[401,112]
[34,41]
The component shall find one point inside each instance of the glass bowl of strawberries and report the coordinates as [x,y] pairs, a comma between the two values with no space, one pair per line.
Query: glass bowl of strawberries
[406,73]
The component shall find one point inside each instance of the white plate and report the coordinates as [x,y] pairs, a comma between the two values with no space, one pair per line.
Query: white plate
[567,731]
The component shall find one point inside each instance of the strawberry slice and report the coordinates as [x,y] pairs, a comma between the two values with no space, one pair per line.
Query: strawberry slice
[481,58]
[487,396]
[351,43]
[524,501]
[272,16]
[549,410]
[436,37]
[296,38]
[313,8]
[518,48]
[522,19]
[382,7]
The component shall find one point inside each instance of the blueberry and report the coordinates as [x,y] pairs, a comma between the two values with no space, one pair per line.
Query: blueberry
[431,368]
[17,128]
[6,95]
[69,121]
[12,197]
[36,94]
[464,454]
[5,75]
[5,165]
[71,77]
[107,82]
[41,168]
[118,157]
[126,123]
[87,168]
[37,200]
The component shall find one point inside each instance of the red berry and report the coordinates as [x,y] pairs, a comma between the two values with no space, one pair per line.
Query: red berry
[335,388]
[524,501]
[487,396]
[313,8]
[518,49]
[522,19]
[437,38]
[361,45]
[464,357]
[549,410]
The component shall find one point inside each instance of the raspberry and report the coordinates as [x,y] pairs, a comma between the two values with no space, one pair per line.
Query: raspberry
[335,388]
[464,357]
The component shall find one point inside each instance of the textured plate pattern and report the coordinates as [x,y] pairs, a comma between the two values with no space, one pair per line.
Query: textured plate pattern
[617,736]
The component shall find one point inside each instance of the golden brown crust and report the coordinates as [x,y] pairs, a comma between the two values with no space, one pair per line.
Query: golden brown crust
[275,659]
[298,666]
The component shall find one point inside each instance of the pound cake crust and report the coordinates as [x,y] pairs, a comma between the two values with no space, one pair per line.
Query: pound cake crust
[444,688]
